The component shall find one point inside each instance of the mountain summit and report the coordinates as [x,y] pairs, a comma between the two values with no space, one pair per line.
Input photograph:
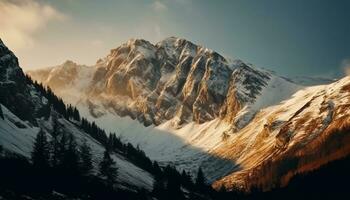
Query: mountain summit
[171,80]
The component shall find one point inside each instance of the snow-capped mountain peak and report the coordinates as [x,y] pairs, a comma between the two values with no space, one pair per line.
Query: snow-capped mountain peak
[171,80]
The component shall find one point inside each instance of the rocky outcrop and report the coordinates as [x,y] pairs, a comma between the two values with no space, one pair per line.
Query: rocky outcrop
[59,77]
[15,94]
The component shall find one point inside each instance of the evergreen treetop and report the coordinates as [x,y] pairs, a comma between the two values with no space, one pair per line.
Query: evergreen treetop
[40,155]
[108,168]
[86,158]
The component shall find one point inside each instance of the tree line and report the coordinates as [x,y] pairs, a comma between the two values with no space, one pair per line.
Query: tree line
[64,157]
[166,178]
[71,113]
[59,163]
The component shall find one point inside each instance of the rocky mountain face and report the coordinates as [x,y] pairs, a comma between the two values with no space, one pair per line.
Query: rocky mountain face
[246,127]
[13,87]
[172,80]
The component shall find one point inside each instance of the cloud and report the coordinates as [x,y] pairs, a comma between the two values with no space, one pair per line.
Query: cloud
[345,65]
[21,19]
[159,6]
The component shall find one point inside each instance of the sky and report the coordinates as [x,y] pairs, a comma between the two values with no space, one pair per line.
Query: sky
[292,38]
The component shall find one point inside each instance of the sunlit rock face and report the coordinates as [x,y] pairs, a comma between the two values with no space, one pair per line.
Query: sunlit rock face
[171,80]
[294,137]
[68,80]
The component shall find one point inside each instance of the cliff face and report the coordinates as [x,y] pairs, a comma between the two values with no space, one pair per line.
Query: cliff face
[15,94]
[171,80]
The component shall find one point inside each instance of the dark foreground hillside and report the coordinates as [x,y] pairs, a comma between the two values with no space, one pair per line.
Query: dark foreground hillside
[329,182]
[19,180]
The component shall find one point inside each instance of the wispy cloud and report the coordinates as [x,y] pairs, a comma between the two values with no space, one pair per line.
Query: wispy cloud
[159,6]
[21,19]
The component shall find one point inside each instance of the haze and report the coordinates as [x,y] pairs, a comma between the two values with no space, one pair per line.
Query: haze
[292,38]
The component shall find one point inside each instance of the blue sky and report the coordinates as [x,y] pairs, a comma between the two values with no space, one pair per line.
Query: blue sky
[295,37]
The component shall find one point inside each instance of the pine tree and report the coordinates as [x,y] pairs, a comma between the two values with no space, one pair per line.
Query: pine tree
[173,188]
[186,180]
[70,159]
[86,159]
[55,144]
[110,142]
[60,152]
[70,111]
[118,143]
[1,113]
[108,169]
[157,171]
[159,188]
[1,151]
[200,180]
[76,114]
[40,154]
[173,184]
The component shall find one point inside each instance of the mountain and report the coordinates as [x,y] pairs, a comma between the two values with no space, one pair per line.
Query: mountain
[24,108]
[174,79]
[187,105]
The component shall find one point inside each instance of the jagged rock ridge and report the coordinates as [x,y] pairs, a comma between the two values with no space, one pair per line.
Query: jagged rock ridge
[171,80]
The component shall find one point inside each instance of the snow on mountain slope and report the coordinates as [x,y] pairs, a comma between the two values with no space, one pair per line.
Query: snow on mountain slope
[23,105]
[277,90]
[129,175]
[295,136]
[187,148]
[18,136]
